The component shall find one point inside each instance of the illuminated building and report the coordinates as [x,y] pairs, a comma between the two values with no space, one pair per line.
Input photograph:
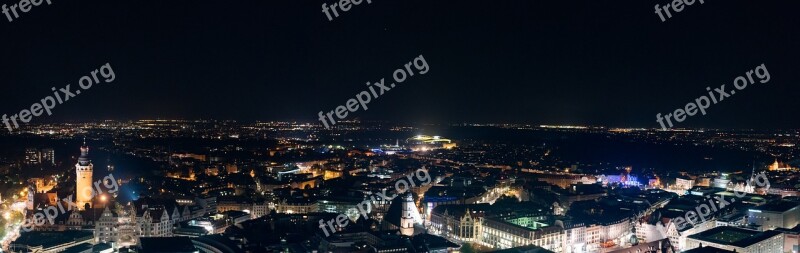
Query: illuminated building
[118,226]
[722,181]
[703,181]
[491,227]
[778,214]
[624,180]
[212,171]
[779,167]
[424,139]
[459,222]
[83,181]
[35,156]
[232,168]
[32,156]
[343,205]
[509,232]
[232,203]
[403,215]
[154,222]
[425,143]
[47,156]
[409,216]
[684,184]
[791,238]
[191,156]
[783,190]
[260,208]
[332,173]
[292,206]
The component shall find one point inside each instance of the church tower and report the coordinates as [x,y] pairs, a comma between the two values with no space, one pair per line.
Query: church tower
[83,181]
[410,215]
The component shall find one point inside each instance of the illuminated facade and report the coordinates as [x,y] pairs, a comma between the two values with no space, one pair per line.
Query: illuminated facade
[777,214]
[155,222]
[410,215]
[498,233]
[470,223]
[684,184]
[425,143]
[292,206]
[83,181]
[118,226]
[779,167]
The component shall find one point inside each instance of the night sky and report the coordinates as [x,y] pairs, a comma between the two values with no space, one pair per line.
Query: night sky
[612,63]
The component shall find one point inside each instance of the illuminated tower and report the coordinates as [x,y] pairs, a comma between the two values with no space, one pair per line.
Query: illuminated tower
[83,182]
[29,204]
[410,215]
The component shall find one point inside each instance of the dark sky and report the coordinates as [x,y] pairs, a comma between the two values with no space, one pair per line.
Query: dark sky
[544,62]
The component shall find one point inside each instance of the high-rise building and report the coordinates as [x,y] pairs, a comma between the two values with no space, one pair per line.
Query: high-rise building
[32,156]
[48,156]
[83,181]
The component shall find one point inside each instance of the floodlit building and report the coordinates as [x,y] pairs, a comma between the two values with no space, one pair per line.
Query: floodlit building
[118,226]
[510,232]
[777,214]
[48,156]
[425,142]
[482,224]
[791,239]
[684,184]
[83,181]
[295,205]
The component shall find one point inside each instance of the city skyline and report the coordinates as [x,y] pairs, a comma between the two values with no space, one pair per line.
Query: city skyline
[376,126]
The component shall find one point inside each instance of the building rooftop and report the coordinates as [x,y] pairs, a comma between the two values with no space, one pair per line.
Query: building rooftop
[220,243]
[48,239]
[428,242]
[523,249]
[708,250]
[101,247]
[167,245]
[733,236]
[777,206]
[795,230]
[80,248]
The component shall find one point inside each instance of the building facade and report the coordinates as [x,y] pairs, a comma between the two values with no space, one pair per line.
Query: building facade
[83,183]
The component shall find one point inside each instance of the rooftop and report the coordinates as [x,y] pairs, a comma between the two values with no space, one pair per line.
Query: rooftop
[167,245]
[777,206]
[708,250]
[49,239]
[734,236]
[524,249]
[80,248]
